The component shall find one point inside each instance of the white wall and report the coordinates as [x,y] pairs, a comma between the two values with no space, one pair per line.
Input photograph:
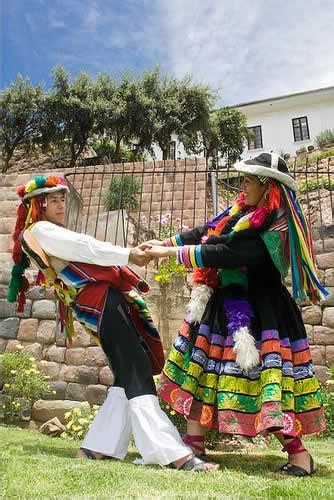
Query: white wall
[276,121]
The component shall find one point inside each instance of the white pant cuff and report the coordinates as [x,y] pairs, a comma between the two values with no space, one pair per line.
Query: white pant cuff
[110,430]
[157,439]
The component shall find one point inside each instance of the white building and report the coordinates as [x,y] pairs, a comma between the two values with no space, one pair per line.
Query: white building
[280,124]
[288,123]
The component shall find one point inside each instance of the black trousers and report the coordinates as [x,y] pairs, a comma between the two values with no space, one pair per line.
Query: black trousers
[120,342]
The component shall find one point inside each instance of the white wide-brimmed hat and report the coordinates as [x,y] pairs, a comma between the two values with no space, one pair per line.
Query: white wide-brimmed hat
[268,165]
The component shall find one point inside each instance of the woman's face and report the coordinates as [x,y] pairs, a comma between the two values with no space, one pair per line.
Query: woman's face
[55,208]
[254,191]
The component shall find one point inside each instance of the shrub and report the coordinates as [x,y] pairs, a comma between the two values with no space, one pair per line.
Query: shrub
[122,192]
[106,148]
[325,138]
[168,267]
[22,384]
[78,421]
[314,184]
[301,151]
[328,395]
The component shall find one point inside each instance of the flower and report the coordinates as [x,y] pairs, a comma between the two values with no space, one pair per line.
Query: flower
[96,407]
[13,372]
[7,386]
[67,415]
[19,346]
[77,411]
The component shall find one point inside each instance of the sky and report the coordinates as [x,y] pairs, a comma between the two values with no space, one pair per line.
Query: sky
[245,50]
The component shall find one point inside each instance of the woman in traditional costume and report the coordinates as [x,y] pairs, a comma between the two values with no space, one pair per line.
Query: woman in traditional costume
[95,287]
[241,361]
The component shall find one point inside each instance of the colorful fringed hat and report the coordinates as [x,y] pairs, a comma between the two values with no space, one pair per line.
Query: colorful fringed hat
[28,212]
[268,165]
[42,185]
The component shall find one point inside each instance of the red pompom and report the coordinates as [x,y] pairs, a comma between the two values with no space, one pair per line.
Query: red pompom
[21,191]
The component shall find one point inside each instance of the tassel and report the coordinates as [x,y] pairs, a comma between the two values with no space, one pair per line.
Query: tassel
[245,349]
[199,298]
[40,280]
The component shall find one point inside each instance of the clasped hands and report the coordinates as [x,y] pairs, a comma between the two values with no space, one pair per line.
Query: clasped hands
[152,249]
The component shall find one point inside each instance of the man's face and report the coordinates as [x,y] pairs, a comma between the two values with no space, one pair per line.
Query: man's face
[55,208]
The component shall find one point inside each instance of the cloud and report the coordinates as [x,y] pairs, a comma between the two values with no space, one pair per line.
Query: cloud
[246,50]
[251,50]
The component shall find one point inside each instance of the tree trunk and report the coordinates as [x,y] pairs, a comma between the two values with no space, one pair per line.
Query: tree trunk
[118,148]
[165,154]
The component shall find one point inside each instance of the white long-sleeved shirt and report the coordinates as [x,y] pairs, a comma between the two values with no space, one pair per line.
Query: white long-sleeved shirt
[71,246]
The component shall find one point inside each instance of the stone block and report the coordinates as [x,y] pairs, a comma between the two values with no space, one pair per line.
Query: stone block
[96,394]
[76,392]
[325,260]
[45,410]
[318,354]
[34,349]
[58,390]
[28,330]
[106,376]
[329,355]
[323,335]
[329,277]
[50,294]
[55,353]
[321,372]
[87,375]
[60,338]
[309,331]
[50,368]
[3,344]
[82,337]
[329,301]
[75,356]
[95,356]
[13,346]
[311,315]
[328,317]
[46,332]
[68,373]
[9,328]
[44,309]
[36,293]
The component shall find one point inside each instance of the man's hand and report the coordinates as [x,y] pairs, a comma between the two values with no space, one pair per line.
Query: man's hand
[138,256]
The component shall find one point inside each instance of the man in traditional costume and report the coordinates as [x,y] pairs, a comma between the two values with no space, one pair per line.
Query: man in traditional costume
[94,285]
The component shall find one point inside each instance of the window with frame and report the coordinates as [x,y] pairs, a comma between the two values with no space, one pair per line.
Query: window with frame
[300,129]
[255,139]
[172,150]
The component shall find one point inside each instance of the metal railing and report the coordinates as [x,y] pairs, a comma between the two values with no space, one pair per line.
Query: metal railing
[157,199]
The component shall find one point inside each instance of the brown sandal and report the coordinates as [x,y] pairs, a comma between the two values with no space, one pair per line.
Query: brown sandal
[292,448]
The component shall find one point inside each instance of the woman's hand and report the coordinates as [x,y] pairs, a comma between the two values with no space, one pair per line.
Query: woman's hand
[155,242]
[158,252]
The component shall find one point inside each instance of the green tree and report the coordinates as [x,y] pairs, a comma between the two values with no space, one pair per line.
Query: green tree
[226,134]
[20,113]
[183,108]
[122,113]
[70,112]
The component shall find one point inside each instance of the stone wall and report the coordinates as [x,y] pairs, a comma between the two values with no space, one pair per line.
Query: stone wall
[81,372]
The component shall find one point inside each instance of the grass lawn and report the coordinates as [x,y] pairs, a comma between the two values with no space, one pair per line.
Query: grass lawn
[38,466]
